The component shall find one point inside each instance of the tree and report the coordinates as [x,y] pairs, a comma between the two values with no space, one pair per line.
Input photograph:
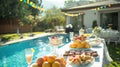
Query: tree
[16,9]
[36,11]
[13,9]
[31,20]
[54,17]
[19,10]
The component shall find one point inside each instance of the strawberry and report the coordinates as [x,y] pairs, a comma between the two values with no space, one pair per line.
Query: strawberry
[53,37]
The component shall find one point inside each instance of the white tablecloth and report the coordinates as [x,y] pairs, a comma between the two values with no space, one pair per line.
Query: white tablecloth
[101,49]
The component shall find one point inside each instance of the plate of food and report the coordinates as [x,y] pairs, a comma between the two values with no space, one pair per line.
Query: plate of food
[95,42]
[77,45]
[80,61]
[81,52]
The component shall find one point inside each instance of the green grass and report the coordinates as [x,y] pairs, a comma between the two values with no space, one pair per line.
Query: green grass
[113,64]
[9,37]
[114,51]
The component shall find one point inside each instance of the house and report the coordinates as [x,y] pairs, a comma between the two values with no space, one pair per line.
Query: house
[104,12]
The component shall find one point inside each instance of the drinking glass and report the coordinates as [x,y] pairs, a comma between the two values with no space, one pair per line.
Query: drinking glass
[71,36]
[28,55]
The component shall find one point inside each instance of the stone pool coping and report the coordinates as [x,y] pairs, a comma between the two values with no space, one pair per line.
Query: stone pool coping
[28,38]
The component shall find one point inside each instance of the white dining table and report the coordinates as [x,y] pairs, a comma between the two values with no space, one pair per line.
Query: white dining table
[102,51]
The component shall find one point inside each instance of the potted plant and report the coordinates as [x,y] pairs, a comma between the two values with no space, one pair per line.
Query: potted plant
[94,24]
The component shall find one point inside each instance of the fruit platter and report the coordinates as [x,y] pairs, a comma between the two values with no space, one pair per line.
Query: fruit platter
[50,61]
[80,61]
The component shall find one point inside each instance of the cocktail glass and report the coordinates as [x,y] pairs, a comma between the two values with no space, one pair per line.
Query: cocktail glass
[28,55]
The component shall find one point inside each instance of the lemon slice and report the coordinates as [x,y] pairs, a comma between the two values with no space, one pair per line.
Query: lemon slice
[32,50]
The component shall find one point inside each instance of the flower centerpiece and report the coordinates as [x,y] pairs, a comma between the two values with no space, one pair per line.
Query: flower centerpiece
[97,31]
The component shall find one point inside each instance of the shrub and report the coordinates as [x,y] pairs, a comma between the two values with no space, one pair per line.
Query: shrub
[113,64]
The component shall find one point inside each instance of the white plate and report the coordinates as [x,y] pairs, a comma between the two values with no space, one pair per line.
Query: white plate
[80,65]
[80,49]
[94,42]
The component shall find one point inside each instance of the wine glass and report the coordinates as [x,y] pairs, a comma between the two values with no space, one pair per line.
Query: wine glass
[28,55]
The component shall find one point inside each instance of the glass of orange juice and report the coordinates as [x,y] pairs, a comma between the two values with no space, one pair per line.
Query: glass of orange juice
[28,55]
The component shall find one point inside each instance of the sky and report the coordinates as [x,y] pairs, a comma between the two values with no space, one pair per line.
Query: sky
[47,4]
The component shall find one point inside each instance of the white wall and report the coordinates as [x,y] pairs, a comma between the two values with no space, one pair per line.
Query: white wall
[89,17]
[67,20]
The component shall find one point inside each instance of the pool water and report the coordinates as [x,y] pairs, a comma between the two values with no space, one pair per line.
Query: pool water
[13,55]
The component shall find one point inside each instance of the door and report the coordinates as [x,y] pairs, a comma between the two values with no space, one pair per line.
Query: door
[109,18]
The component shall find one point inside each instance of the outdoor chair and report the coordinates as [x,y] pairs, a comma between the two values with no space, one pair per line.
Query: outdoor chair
[48,30]
[110,36]
[118,39]
[56,28]
[59,29]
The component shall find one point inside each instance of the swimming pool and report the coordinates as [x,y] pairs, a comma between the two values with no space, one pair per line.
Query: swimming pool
[13,55]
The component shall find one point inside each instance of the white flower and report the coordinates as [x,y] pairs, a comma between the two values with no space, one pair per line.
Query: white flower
[97,30]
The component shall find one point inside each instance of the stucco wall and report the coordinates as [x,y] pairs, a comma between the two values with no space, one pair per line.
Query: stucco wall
[89,17]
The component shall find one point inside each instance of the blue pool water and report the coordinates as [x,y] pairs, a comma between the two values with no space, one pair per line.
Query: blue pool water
[13,55]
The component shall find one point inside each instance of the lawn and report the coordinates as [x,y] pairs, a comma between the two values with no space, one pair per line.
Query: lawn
[114,51]
[10,37]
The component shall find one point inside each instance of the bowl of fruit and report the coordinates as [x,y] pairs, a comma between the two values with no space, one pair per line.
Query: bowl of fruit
[80,60]
[50,61]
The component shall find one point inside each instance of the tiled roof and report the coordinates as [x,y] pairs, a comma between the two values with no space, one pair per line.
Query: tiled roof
[93,5]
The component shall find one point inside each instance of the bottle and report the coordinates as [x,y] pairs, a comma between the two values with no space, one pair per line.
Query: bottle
[81,31]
